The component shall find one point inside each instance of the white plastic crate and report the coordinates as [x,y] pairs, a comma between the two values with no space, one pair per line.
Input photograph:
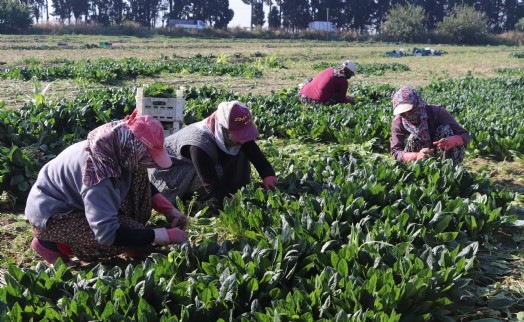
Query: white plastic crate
[169,111]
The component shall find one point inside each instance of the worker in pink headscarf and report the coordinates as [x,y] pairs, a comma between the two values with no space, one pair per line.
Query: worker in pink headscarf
[93,200]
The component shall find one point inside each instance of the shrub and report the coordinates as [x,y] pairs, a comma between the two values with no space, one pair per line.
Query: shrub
[14,16]
[465,25]
[511,38]
[405,23]
[519,26]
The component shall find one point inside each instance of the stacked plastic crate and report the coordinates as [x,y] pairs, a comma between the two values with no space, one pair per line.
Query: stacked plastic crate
[169,111]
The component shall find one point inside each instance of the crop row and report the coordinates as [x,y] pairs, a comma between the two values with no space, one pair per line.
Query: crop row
[110,71]
[342,239]
[491,110]
[368,69]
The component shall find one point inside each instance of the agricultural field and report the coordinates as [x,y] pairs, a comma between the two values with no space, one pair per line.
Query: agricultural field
[348,235]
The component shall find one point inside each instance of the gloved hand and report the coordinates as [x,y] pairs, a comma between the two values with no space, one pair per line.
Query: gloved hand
[269,182]
[448,143]
[351,100]
[165,236]
[176,235]
[176,219]
[161,204]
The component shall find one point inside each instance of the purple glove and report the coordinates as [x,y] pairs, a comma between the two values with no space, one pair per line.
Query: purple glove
[269,182]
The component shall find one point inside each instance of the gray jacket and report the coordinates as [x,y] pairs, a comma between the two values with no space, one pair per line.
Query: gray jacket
[59,190]
[174,181]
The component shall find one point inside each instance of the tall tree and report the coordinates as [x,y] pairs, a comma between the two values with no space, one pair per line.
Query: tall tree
[179,9]
[144,12]
[218,13]
[382,9]
[14,16]
[436,10]
[37,7]
[358,14]
[295,14]
[279,4]
[62,10]
[493,10]
[273,19]
[118,10]
[100,12]
[79,8]
[328,10]
[255,13]
[513,11]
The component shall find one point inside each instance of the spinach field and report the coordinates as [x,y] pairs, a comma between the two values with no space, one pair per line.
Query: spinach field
[348,235]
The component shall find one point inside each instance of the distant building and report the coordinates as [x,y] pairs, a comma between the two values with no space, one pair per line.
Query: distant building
[186,23]
[322,25]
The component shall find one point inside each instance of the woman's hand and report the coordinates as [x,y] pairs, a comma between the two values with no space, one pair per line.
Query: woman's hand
[269,182]
[177,219]
[424,153]
[170,236]
[448,143]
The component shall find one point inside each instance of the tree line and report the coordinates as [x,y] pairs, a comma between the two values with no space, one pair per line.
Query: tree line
[292,15]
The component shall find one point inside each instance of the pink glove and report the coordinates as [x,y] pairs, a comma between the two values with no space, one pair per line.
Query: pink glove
[448,143]
[165,236]
[161,204]
[176,235]
[173,216]
[269,182]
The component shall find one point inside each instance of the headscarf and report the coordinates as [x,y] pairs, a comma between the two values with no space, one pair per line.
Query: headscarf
[342,71]
[112,147]
[415,122]
[220,135]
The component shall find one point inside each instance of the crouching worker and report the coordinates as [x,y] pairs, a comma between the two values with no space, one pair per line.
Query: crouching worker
[420,129]
[212,157]
[93,200]
[329,86]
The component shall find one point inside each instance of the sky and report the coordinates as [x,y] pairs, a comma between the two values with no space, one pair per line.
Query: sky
[242,17]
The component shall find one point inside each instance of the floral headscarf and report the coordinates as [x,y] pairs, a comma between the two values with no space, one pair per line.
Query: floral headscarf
[112,147]
[342,71]
[416,122]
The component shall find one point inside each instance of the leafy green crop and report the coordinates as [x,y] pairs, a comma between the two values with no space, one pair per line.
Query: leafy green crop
[491,110]
[110,71]
[376,69]
[341,238]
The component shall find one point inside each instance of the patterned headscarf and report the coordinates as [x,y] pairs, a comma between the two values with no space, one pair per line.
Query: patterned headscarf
[416,121]
[342,71]
[112,147]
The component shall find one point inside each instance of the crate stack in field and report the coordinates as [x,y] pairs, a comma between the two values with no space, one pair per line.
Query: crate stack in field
[169,111]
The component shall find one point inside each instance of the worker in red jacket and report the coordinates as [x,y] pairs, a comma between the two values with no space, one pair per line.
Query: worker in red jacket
[329,86]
